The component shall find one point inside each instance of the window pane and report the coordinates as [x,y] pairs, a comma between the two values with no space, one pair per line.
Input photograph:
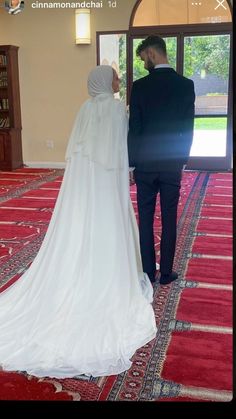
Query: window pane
[138,65]
[113,52]
[206,62]
[209,137]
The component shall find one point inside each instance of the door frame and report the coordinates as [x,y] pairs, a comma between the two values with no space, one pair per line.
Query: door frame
[181,31]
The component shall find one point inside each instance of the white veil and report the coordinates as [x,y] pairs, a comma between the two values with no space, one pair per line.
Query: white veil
[100,128]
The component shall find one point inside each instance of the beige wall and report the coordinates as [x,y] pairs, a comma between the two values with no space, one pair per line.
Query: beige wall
[165,12]
[53,70]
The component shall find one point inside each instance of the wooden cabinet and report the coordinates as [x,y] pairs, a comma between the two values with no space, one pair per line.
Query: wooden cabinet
[10,113]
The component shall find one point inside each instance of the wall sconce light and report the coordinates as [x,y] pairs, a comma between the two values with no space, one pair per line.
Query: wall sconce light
[82,26]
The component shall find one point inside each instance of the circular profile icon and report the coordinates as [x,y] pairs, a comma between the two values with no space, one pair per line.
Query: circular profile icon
[14,6]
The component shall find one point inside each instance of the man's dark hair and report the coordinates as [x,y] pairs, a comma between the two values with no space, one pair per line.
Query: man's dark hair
[154,41]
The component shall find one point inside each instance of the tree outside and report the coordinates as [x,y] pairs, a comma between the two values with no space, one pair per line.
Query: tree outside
[138,66]
[203,55]
[207,55]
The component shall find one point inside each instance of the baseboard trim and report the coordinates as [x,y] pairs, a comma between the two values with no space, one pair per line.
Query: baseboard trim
[45,165]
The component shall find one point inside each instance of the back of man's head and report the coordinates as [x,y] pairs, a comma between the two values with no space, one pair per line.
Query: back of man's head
[153,41]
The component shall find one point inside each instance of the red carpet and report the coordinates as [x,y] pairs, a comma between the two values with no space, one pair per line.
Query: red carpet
[209,350]
[18,387]
[17,181]
[191,357]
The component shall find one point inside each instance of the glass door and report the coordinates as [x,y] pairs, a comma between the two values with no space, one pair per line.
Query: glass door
[206,62]
[112,50]
[199,53]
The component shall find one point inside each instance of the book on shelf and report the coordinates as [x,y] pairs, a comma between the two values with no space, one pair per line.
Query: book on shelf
[4,122]
[3,78]
[3,60]
[4,104]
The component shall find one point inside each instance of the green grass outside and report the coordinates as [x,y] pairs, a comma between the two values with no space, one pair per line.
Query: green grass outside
[210,123]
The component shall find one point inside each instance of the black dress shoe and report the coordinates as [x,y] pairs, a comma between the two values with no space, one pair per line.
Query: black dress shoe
[167,279]
[151,277]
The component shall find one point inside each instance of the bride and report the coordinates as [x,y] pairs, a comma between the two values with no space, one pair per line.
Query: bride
[84,305]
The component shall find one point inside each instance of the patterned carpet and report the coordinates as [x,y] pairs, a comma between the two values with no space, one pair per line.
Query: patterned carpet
[191,357]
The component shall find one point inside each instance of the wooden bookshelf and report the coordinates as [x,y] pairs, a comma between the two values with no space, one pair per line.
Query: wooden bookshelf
[10,113]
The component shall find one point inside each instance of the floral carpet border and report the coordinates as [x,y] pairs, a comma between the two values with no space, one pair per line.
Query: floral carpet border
[143,381]
[133,385]
[32,184]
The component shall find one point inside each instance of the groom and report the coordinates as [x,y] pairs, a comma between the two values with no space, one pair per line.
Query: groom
[159,143]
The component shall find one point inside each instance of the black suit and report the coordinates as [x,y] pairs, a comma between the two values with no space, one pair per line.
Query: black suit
[159,143]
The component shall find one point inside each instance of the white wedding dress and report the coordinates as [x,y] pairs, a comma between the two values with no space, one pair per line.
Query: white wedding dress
[84,305]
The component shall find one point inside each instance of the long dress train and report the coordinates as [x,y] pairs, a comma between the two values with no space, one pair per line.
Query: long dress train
[84,305]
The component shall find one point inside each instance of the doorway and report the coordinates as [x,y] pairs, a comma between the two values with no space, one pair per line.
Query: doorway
[204,58]
[198,36]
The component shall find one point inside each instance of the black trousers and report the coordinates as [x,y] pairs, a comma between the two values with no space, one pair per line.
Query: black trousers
[148,186]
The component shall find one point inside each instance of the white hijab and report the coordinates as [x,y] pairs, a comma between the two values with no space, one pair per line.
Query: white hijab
[100,80]
[100,128]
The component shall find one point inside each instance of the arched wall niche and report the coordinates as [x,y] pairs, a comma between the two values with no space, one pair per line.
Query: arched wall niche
[165,12]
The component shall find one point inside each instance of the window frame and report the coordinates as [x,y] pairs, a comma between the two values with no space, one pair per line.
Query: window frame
[181,31]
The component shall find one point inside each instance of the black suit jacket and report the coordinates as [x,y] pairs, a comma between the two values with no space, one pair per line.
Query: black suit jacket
[161,121]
